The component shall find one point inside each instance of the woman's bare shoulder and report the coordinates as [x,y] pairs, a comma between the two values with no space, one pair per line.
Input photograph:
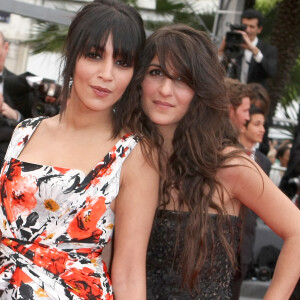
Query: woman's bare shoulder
[238,168]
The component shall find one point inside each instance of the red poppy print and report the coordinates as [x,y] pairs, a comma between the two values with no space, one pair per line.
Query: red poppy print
[55,223]
[84,224]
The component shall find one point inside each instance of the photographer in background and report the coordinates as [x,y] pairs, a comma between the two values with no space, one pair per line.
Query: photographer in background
[256,61]
[9,116]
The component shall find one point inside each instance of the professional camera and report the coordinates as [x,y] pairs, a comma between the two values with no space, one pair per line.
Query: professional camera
[234,40]
[46,101]
[233,49]
[233,37]
[33,96]
[264,266]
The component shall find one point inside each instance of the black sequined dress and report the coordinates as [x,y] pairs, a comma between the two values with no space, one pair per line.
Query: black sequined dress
[163,266]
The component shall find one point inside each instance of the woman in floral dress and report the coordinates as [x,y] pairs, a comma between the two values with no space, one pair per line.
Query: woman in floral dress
[70,180]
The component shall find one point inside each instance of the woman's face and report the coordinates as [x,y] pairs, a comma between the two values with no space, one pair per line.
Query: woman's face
[100,79]
[165,101]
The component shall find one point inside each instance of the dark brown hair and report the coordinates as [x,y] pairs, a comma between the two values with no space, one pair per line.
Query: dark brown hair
[199,139]
[258,93]
[236,91]
[91,27]
[254,111]
[253,14]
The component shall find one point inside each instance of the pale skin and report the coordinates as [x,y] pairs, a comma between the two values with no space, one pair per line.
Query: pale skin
[244,183]
[249,185]
[84,131]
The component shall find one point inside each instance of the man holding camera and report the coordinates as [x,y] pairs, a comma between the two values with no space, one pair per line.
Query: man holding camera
[9,117]
[256,60]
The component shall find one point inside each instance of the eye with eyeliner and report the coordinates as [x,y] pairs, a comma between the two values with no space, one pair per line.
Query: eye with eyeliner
[123,63]
[94,55]
[156,72]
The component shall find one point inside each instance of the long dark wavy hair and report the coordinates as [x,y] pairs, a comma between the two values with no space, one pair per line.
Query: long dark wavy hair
[90,28]
[199,140]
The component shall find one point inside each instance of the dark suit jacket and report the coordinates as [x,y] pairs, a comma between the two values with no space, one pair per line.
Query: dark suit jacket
[263,161]
[6,126]
[250,217]
[267,68]
[7,98]
[293,168]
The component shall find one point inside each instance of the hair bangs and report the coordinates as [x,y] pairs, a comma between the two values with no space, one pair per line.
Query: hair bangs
[92,36]
[173,59]
[126,40]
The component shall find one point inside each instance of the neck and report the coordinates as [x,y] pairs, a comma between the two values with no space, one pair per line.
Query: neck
[168,134]
[246,143]
[76,118]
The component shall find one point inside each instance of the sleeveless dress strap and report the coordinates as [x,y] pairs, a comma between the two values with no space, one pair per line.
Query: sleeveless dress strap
[21,136]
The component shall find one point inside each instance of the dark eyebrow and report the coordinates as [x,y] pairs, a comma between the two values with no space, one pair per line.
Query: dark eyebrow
[154,65]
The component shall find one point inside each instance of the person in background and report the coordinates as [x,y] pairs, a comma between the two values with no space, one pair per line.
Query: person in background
[68,181]
[258,60]
[253,133]
[250,135]
[273,150]
[239,97]
[206,177]
[9,116]
[280,165]
[260,98]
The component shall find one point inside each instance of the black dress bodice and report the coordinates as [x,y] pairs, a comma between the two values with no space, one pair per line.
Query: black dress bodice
[164,263]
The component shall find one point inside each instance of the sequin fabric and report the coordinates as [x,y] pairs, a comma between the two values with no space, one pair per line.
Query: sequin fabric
[163,264]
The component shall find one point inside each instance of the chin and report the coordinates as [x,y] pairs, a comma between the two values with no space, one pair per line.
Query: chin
[161,121]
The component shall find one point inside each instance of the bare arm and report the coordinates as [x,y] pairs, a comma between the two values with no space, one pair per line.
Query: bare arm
[253,188]
[134,212]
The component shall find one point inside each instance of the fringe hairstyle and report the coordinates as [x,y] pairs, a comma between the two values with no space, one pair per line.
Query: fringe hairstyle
[90,28]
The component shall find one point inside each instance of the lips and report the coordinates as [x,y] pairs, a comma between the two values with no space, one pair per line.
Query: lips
[100,91]
[162,104]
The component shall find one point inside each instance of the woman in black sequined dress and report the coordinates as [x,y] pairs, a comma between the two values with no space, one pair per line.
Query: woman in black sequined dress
[206,177]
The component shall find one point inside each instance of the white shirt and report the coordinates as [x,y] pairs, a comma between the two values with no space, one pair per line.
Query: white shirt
[247,59]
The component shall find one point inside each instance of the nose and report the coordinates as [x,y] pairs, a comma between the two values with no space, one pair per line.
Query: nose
[106,69]
[166,88]
[247,116]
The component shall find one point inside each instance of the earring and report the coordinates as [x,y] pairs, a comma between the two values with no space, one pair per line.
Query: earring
[70,83]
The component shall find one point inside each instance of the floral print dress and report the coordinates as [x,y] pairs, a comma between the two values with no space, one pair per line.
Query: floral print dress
[55,223]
